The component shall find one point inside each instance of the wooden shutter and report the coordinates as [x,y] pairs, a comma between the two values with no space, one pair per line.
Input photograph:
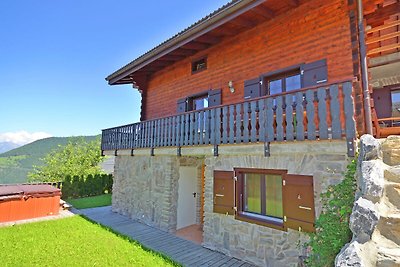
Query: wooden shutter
[298,202]
[224,192]
[181,105]
[214,98]
[314,73]
[252,88]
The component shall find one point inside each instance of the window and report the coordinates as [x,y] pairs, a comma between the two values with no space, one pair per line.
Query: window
[271,198]
[259,195]
[395,97]
[200,102]
[282,83]
[199,65]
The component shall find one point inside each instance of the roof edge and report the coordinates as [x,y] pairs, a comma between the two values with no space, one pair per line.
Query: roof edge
[208,23]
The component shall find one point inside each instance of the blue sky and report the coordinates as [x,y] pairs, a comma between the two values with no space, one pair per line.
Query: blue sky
[54,56]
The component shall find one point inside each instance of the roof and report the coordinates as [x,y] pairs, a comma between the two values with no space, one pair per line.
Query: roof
[184,36]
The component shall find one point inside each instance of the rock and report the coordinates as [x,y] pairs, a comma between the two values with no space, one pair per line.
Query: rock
[372,181]
[389,227]
[391,150]
[349,256]
[370,148]
[388,257]
[363,219]
[392,174]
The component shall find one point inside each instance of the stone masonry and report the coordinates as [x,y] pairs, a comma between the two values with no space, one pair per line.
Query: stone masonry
[145,188]
[375,219]
[264,246]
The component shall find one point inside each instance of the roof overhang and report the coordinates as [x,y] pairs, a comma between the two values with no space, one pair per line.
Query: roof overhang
[198,37]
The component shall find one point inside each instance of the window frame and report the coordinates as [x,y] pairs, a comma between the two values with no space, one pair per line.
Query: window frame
[192,98]
[242,215]
[197,61]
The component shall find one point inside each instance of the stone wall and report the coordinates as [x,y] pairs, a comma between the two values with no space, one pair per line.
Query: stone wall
[146,188]
[375,219]
[325,161]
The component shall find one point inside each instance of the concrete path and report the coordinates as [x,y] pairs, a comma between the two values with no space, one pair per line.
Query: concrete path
[180,250]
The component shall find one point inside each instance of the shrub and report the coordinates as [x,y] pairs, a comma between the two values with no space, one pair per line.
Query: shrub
[81,186]
[332,226]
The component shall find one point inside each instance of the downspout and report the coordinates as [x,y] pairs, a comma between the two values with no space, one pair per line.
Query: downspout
[364,68]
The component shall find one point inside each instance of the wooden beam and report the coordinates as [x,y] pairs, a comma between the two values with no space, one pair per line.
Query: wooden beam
[242,22]
[293,3]
[170,57]
[383,49]
[196,46]
[183,52]
[384,26]
[382,37]
[208,39]
[382,14]
[264,11]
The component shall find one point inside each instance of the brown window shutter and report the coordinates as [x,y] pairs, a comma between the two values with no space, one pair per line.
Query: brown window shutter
[181,105]
[224,192]
[252,88]
[298,202]
[314,73]
[214,98]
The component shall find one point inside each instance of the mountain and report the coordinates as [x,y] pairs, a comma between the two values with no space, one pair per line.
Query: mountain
[17,163]
[7,146]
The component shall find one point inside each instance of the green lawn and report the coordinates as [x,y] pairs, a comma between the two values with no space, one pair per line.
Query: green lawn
[71,241]
[91,202]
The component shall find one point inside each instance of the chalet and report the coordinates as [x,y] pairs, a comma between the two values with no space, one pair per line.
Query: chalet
[249,114]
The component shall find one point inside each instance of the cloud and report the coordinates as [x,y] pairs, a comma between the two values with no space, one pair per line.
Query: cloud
[22,137]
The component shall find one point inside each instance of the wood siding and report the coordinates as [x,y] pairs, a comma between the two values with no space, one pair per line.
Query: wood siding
[315,30]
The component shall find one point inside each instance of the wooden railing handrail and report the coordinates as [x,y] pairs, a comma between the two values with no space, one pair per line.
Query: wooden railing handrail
[244,101]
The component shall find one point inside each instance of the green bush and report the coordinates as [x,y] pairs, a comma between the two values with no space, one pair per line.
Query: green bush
[332,226]
[81,186]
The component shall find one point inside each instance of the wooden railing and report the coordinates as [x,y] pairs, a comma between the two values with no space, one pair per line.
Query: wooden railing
[324,113]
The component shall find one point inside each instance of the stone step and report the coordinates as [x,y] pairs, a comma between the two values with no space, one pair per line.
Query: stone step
[392,174]
[388,257]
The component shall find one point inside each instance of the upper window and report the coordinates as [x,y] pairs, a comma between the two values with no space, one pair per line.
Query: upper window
[199,102]
[199,65]
[284,82]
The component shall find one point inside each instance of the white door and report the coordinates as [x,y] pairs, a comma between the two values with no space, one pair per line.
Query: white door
[187,196]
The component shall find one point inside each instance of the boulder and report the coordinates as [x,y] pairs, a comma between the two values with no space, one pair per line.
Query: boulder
[349,256]
[363,220]
[370,148]
[372,180]
[391,150]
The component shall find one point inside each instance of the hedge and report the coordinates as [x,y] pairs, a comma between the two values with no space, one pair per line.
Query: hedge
[81,186]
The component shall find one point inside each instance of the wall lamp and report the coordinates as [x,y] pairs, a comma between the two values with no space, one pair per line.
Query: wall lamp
[231,88]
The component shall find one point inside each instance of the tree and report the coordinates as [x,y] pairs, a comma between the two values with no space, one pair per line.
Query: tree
[77,158]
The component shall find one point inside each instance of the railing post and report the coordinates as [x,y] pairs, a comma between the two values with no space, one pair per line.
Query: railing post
[349,118]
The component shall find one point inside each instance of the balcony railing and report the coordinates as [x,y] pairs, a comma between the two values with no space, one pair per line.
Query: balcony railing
[323,113]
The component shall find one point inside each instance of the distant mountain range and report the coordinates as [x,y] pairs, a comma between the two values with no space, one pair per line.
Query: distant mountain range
[7,146]
[15,164]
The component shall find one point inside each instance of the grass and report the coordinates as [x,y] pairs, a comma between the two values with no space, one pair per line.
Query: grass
[91,202]
[71,241]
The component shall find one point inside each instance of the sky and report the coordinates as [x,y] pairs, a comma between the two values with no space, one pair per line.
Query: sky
[55,55]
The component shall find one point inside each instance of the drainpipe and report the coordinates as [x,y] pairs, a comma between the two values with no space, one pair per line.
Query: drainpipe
[364,68]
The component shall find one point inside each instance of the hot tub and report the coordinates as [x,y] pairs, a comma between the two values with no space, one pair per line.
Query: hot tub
[20,202]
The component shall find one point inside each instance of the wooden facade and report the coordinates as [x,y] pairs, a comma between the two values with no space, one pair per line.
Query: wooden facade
[252,42]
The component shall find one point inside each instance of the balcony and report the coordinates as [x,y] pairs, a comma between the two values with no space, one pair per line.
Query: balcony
[315,113]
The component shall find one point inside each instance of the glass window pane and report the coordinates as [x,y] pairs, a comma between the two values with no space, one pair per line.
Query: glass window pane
[273,192]
[293,83]
[275,87]
[200,103]
[252,194]
[396,103]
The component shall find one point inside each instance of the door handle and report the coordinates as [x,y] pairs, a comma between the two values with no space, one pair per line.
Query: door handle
[304,208]
[219,195]
[194,194]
